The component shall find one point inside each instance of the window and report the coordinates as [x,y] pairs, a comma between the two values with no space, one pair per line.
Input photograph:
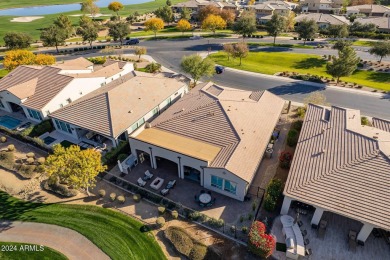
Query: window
[169,101]
[216,182]
[141,122]
[230,186]
[63,126]
[133,127]
[34,114]
[155,111]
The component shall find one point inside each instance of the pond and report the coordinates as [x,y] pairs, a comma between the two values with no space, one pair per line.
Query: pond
[53,9]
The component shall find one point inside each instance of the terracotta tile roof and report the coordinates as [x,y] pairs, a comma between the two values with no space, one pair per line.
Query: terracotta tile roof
[381,124]
[227,121]
[342,166]
[323,18]
[75,64]
[380,22]
[106,71]
[370,8]
[112,109]
[25,89]
[49,82]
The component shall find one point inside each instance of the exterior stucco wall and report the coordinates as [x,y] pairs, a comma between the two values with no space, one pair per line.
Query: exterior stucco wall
[6,97]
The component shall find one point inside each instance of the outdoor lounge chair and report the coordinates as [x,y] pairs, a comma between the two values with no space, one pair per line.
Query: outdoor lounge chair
[171,184]
[164,192]
[141,182]
[148,175]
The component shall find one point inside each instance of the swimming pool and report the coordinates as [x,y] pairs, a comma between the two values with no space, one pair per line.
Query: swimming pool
[48,140]
[9,122]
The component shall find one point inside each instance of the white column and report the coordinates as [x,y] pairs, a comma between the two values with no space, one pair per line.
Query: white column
[317,216]
[365,232]
[286,205]
[153,162]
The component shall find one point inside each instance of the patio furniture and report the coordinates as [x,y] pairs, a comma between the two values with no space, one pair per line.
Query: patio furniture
[157,183]
[164,192]
[148,175]
[306,242]
[205,198]
[202,191]
[141,182]
[171,184]
[323,224]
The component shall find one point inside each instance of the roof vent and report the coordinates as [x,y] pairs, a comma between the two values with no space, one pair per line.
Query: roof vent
[139,98]
[130,111]
[148,125]
[182,109]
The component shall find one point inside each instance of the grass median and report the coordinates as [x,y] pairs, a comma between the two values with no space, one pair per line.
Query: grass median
[115,234]
[273,62]
[13,251]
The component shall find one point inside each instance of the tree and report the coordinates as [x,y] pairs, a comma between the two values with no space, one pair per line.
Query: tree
[153,67]
[17,40]
[290,21]
[131,19]
[63,22]
[168,2]
[251,2]
[165,13]
[338,31]
[88,30]
[89,6]
[358,27]
[213,23]
[115,7]
[53,36]
[205,11]
[276,25]
[183,26]
[15,58]
[307,29]
[140,51]
[344,65]
[246,24]
[229,49]
[118,31]
[381,49]
[185,13]
[197,67]
[78,168]
[240,50]
[228,15]
[341,44]
[155,25]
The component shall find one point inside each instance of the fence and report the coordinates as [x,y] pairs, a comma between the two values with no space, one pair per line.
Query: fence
[217,225]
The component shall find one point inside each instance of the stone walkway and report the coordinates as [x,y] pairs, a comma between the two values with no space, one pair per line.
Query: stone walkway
[69,242]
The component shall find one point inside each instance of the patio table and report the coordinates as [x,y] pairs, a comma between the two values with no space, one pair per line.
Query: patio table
[204,198]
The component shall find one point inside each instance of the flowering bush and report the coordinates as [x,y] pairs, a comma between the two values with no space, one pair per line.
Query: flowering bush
[285,159]
[260,243]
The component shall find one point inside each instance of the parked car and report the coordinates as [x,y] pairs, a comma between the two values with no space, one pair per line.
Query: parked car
[132,41]
[23,127]
[219,69]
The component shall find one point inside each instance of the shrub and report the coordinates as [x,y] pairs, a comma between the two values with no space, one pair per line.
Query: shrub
[30,155]
[113,196]
[260,243]
[40,129]
[40,169]
[11,147]
[102,193]
[97,60]
[274,190]
[137,197]
[41,160]
[153,67]
[250,216]
[292,137]
[121,199]
[244,229]
[160,221]
[297,125]
[218,223]
[301,111]
[30,160]
[198,251]
[254,205]
[285,160]
[161,210]
[241,219]
[27,170]
[111,157]
[59,189]
[3,139]
[174,214]
[7,159]
[194,215]
[364,121]
[122,157]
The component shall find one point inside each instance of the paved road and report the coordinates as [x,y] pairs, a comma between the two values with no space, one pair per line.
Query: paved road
[69,242]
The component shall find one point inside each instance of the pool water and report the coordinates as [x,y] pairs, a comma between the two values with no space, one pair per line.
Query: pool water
[48,140]
[9,122]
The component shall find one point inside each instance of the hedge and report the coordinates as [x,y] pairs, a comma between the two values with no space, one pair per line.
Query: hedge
[292,137]
[39,129]
[111,157]
[60,189]
[26,139]
[274,190]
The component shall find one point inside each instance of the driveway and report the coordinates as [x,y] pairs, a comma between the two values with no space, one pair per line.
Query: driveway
[71,243]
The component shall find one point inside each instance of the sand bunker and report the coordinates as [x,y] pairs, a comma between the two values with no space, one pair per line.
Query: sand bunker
[26,19]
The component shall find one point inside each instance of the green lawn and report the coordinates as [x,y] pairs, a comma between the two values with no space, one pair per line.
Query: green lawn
[5,4]
[273,62]
[34,28]
[300,46]
[3,72]
[363,43]
[20,252]
[119,236]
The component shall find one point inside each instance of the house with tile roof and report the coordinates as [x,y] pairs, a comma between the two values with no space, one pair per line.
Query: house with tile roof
[382,23]
[342,167]
[321,6]
[214,135]
[37,91]
[265,10]
[323,20]
[110,113]
[369,10]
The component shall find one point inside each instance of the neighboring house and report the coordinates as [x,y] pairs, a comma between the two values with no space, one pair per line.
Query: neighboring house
[265,10]
[369,10]
[342,167]
[321,6]
[115,110]
[37,91]
[382,23]
[195,5]
[323,20]
[214,135]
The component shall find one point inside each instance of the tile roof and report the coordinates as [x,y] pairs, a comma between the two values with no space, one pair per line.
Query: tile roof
[43,83]
[323,18]
[342,166]
[232,120]
[380,22]
[381,124]
[112,109]
[25,89]
[75,64]
[371,8]
[108,69]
